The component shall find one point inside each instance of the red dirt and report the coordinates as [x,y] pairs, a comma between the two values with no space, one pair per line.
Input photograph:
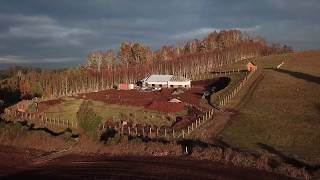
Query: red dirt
[128,97]
[194,95]
[165,106]
[46,104]
[13,160]
[183,122]
[152,100]
[104,167]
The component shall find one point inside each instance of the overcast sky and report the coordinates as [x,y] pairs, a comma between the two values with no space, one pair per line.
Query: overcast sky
[59,33]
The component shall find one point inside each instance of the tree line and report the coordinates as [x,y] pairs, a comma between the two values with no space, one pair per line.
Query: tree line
[134,61]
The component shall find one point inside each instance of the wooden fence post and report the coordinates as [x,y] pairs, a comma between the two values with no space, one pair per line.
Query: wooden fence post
[182,133]
[173,133]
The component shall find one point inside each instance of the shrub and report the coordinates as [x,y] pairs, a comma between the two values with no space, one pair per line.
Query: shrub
[88,120]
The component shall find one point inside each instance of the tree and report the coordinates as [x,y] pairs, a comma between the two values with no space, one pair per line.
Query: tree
[125,53]
[88,120]
[108,59]
[36,89]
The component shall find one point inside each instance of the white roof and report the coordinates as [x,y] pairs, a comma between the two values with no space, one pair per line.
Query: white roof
[174,100]
[164,78]
[158,78]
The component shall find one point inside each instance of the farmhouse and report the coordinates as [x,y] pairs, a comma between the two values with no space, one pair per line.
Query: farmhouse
[166,81]
[251,66]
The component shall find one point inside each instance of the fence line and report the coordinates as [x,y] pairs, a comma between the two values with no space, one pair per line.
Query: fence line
[41,119]
[151,132]
[215,74]
[156,132]
[229,96]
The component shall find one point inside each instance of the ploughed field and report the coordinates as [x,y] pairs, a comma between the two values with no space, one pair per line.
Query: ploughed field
[17,164]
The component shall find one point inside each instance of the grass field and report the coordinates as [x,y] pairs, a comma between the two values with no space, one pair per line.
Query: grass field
[138,115]
[67,110]
[280,113]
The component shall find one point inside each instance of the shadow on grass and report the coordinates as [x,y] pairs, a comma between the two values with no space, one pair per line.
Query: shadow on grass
[111,133]
[191,144]
[299,75]
[287,159]
[31,127]
[222,83]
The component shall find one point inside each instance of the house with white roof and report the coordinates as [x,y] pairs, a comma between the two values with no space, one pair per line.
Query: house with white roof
[166,81]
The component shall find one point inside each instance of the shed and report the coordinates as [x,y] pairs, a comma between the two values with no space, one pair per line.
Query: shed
[174,100]
[251,66]
[123,86]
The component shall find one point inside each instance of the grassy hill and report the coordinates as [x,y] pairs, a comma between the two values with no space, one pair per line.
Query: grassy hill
[280,111]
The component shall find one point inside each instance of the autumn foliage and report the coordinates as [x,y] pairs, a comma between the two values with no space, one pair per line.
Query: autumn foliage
[105,69]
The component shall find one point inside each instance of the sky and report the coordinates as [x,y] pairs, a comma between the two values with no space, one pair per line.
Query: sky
[60,33]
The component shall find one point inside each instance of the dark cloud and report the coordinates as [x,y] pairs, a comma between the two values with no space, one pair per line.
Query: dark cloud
[64,31]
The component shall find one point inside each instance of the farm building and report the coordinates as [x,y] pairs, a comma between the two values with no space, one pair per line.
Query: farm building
[125,86]
[166,81]
[251,66]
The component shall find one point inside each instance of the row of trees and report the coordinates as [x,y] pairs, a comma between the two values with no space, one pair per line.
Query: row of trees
[135,53]
[134,61]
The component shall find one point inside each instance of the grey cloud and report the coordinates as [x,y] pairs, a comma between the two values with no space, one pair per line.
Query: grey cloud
[37,31]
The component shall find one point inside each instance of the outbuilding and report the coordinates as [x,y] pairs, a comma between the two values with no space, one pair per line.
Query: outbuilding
[125,86]
[166,81]
[251,66]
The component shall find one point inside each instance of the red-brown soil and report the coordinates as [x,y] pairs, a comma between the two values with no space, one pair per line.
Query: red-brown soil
[152,100]
[165,106]
[127,97]
[46,104]
[13,160]
[182,122]
[102,167]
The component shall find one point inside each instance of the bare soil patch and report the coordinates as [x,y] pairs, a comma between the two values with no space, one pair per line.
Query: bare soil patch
[101,167]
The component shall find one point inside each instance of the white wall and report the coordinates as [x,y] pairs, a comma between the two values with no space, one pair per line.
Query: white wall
[182,83]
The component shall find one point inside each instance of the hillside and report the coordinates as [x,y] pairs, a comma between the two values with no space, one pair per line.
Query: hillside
[280,112]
